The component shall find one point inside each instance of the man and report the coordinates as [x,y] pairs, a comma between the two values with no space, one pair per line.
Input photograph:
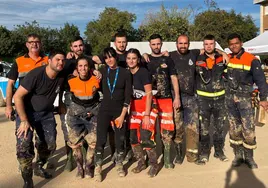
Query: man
[34,104]
[163,76]
[211,94]
[22,66]
[243,71]
[120,43]
[77,48]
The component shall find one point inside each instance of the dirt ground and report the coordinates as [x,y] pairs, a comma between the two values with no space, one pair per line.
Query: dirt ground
[215,174]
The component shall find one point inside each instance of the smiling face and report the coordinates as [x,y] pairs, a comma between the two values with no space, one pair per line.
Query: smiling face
[33,44]
[77,47]
[183,44]
[132,60]
[235,45]
[120,44]
[209,46]
[82,68]
[110,61]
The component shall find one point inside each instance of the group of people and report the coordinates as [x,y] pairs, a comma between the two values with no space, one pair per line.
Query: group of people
[181,90]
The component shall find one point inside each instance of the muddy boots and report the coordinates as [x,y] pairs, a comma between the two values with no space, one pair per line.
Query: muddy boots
[27,176]
[119,164]
[179,155]
[239,152]
[168,164]
[69,166]
[249,158]
[219,153]
[89,161]
[79,162]
[152,155]
[138,153]
[39,170]
[98,167]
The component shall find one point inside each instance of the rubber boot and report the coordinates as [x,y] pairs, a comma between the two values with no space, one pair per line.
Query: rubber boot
[88,165]
[167,163]
[249,158]
[152,155]
[119,164]
[79,162]
[27,176]
[138,153]
[179,156]
[204,153]
[98,167]
[219,154]
[69,166]
[39,170]
[238,160]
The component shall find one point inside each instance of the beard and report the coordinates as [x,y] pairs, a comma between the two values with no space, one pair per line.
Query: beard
[156,51]
[183,50]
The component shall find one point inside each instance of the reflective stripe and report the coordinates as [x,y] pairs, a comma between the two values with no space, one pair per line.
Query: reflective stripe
[249,146]
[207,94]
[200,118]
[225,70]
[163,121]
[163,114]
[192,150]
[22,74]
[239,66]
[236,142]
[135,121]
[84,97]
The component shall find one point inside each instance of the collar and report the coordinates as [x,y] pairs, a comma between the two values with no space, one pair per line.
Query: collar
[238,56]
[40,55]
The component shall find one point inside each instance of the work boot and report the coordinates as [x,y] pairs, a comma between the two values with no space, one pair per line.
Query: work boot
[238,160]
[219,153]
[79,162]
[27,176]
[249,158]
[152,155]
[138,153]
[167,163]
[179,156]
[98,167]
[40,171]
[204,152]
[69,166]
[119,164]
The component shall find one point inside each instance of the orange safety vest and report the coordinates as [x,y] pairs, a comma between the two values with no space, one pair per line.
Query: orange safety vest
[242,63]
[26,64]
[84,90]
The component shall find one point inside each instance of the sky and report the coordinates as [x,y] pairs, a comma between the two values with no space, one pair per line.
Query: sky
[54,13]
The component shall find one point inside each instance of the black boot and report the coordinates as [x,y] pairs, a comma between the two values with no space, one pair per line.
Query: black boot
[219,152]
[27,176]
[119,164]
[152,155]
[98,167]
[238,160]
[168,164]
[40,171]
[249,158]
[204,153]
[179,156]
[138,153]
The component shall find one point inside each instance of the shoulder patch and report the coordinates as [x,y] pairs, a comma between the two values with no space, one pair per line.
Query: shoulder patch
[163,65]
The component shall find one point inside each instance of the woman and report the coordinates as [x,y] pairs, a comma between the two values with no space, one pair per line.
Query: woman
[143,116]
[82,115]
[117,90]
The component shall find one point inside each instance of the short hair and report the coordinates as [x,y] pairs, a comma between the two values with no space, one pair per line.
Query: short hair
[110,52]
[233,36]
[155,36]
[53,53]
[209,37]
[33,35]
[183,35]
[76,38]
[120,34]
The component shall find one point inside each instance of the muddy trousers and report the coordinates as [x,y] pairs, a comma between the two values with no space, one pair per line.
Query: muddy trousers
[44,125]
[187,127]
[208,108]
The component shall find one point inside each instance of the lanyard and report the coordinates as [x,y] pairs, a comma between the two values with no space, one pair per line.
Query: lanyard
[115,80]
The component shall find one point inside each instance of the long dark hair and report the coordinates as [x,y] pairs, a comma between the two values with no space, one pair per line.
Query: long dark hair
[110,52]
[137,52]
